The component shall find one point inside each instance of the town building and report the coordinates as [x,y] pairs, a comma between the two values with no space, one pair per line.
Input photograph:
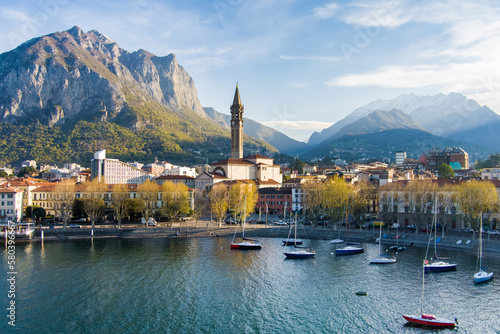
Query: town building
[11,204]
[113,171]
[490,173]
[274,201]
[434,157]
[400,157]
[26,185]
[187,180]
[181,170]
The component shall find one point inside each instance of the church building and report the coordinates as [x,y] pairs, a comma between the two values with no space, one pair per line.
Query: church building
[255,167]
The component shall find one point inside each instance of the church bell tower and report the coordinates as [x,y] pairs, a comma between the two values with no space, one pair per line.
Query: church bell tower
[237,127]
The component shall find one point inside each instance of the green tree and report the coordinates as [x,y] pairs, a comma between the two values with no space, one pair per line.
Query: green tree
[175,197]
[298,165]
[93,204]
[445,172]
[26,170]
[3,173]
[64,195]
[36,212]
[335,198]
[78,210]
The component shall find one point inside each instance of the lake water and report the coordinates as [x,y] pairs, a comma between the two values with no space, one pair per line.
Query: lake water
[202,286]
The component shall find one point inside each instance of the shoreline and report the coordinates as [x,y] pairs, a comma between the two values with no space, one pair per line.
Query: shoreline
[449,242]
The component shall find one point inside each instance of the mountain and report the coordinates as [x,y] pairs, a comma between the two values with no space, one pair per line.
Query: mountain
[280,141]
[377,121]
[450,116]
[381,145]
[73,93]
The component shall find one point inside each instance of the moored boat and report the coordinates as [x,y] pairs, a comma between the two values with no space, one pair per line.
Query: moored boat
[429,320]
[349,250]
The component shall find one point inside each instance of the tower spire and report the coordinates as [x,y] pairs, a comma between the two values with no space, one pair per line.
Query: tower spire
[237,126]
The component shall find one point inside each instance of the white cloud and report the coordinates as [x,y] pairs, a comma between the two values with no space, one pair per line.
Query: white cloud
[298,125]
[327,11]
[378,14]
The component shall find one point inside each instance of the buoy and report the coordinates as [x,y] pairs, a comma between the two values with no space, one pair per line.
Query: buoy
[361,293]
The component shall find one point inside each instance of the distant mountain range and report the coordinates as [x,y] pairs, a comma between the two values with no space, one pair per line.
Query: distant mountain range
[452,119]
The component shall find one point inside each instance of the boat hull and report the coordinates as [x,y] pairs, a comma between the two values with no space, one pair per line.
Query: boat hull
[427,321]
[292,242]
[383,260]
[299,255]
[245,245]
[439,267]
[482,276]
[336,241]
[349,250]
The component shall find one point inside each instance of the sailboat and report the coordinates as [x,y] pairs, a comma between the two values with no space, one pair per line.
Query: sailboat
[438,264]
[482,275]
[298,252]
[246,243]
[349,249]
[382,259]
[424,318]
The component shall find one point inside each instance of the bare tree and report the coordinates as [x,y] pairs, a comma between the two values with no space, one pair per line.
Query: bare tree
[148,192]
[93,204]
[312,203]
[175,198]
[242,199]
[219,201]
[120,196]
[64,195]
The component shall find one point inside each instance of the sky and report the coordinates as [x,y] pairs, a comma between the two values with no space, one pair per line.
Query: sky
[300,65]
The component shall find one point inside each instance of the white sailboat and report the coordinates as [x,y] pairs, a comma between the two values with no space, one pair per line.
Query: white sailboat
[438,264]
[382,259]
[246,243]
[298,252]
[482,275]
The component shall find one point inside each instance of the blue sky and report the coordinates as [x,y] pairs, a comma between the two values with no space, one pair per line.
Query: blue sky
[300,65]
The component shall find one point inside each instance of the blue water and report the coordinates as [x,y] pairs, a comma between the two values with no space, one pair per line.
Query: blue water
[202,286]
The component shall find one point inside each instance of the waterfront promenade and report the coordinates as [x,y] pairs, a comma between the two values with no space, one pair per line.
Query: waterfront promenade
[462,241]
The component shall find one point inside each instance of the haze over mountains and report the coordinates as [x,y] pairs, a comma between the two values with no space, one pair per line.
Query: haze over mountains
[452,116]
[73,93]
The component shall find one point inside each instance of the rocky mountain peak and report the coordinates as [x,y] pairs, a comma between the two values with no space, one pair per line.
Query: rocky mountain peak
[69,74]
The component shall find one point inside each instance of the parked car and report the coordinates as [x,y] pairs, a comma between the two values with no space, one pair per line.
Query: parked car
[75,226]
[493,232]
[280,223]
[412,227]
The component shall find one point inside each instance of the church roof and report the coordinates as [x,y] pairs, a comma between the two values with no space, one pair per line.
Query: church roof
[257,156]
[231,161]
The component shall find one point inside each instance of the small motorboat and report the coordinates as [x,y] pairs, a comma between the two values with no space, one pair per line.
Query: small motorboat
[349,250]
[336,241]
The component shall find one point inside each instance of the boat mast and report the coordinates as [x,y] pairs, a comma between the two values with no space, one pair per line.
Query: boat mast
[481,243]
[244,217]
[380,242]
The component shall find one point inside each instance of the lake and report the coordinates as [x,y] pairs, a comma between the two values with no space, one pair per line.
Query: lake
[200,285]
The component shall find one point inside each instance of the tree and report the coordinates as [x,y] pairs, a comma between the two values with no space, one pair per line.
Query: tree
[78,210]
[298,165]
[219,198]
[26,170]
[119,199]
[242,199]
[134,208]
[359,199]
[175,197]
[419,199]
[389,201]
[445,204]
[3,173]
[335,198]
[148,192]
[64,195]
[312,202]
[445,172]
[93,204]
[36,212]
[476,197]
